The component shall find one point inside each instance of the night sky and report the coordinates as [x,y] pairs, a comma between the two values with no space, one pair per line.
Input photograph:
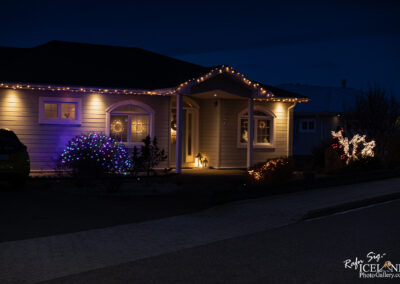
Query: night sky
[275,42]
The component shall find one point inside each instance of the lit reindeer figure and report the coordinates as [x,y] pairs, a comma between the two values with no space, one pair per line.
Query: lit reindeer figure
[368,147]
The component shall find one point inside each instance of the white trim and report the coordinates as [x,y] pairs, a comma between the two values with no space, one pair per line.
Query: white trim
[307,120]
[195,122]
[169,162]
[179,132]
[250,134]
[289,136]
[218,161]
[190,158]
[150,111]
[59,101]
[270,115]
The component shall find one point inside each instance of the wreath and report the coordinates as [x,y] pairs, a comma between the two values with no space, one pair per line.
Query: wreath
[117,127]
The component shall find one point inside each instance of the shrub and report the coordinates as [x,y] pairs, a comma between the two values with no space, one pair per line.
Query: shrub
[392,155]
[94,155]
[318,155]
[364,164]
[333,161]
[271,171]
[150,156]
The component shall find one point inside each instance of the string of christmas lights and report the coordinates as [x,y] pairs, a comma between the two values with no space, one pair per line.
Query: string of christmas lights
[271,165]
[355,142]
[261,94]
[55,88]
[112,156]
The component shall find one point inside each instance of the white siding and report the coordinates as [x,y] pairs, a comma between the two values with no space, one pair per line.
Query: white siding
[230,155]
[19,112]
[208,140]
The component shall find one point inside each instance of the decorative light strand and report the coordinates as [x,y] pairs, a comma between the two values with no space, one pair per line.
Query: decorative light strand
[270,166]
[55,88]
[260,93]
[112,156]
[357,140]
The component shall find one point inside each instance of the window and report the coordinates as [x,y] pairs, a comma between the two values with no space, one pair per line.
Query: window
[130,122]
[307,125]
[59,110]
[263,123]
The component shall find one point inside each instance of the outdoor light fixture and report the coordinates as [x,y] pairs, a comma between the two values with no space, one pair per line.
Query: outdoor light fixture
[197,162]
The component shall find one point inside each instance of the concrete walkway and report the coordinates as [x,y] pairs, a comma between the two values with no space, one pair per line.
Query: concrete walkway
[33,260]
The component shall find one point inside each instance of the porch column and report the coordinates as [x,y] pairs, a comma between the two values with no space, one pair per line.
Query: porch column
[179,128]
[250,133]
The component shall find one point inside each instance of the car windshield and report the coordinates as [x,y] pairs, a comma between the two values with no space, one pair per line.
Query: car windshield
[8,138]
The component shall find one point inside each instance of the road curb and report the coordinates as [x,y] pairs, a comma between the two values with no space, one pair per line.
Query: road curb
[326,211]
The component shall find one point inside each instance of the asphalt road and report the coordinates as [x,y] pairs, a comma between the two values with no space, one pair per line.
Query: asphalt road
[305,252]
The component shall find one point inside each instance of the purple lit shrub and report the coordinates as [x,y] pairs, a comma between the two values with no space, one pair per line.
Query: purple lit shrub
[94,155]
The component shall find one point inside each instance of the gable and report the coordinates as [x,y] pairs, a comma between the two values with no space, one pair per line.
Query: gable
[223,82]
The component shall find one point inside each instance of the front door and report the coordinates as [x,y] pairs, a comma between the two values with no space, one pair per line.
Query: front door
[189,135]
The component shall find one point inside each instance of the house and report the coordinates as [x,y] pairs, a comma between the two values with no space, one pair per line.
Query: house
[314,121]
[53,92]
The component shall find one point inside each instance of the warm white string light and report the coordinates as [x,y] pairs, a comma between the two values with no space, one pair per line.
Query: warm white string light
[355,142]
[261,94]
[55,88]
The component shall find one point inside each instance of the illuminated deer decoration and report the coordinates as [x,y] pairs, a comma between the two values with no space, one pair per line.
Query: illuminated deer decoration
[354,144]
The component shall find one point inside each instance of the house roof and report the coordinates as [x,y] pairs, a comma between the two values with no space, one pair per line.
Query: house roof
[323,99]
[59,65]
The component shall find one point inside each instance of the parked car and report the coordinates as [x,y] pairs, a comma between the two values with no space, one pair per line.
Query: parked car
[14,158]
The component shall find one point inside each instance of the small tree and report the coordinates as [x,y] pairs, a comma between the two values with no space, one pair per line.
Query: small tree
[375,114]
[149,157]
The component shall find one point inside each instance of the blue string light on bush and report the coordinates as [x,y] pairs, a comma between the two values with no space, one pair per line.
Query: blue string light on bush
[112,156]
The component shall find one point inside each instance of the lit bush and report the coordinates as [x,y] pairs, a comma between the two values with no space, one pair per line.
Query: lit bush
[94,155]
[271,171]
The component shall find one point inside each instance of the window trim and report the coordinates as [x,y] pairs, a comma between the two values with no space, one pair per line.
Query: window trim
[269,116]
[308,120]
[150,113]
[59,101]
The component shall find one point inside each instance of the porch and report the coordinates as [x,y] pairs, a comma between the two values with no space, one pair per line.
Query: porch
[201,132]
[224,122]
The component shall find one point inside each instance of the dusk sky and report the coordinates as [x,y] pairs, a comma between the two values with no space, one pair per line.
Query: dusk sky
[275,42]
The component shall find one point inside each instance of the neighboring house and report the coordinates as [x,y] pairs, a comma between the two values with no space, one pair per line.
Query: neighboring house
[53,92]
[314,121]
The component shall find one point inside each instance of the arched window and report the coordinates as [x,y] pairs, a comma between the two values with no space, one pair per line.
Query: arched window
[263,128]
[129,121]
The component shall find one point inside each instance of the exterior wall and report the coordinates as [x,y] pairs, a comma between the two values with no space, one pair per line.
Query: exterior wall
[208,132]
[19,112]
[223,149]
[305,142]
[233,156]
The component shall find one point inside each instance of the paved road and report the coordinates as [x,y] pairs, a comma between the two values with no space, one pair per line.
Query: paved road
[46,258]
[304,252]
